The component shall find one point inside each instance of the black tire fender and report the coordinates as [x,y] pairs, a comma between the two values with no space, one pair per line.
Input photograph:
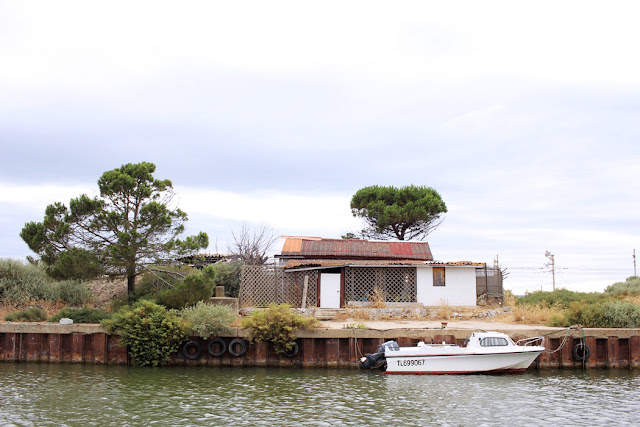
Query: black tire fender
[581,352]
[294,350]
[232,347]
[186,350]
[211,345]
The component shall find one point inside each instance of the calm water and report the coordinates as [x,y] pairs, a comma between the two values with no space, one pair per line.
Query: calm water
[78,395]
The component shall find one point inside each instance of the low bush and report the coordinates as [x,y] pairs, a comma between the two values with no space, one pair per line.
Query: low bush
[151,332]
[72,292]
[561,298]
[610,314]
[21,283]
[277,324]
[194,288]
[29,314]
[82,315]
[629,287]
[208,319]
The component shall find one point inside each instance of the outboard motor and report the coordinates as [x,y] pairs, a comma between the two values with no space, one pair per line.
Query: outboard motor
[375,360]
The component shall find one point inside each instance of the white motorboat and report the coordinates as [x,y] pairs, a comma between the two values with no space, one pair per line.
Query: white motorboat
[484,352]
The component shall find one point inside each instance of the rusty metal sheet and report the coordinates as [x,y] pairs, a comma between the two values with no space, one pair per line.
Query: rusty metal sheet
[355,249]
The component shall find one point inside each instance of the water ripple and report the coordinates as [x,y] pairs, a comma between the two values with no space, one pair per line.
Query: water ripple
[74,395]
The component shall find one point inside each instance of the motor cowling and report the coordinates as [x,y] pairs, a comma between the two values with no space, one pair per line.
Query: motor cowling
[370,361]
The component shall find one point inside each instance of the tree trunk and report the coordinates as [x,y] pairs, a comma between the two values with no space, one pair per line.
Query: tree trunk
[131,283]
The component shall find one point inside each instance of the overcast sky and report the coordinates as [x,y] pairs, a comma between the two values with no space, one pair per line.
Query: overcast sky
[525,117]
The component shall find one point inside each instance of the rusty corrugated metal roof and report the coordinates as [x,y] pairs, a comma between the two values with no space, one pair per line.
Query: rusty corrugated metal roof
[306,247]
[326,263]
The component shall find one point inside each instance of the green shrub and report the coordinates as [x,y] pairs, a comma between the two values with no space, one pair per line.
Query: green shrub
[277,324]
[72,292]
[20,283]
[194,288]
[579,313]
[629,287]
[151,332]
[208,319]
[82,315]
[562,298]
[620,314]
[610,314]
[29,314]
[228,276]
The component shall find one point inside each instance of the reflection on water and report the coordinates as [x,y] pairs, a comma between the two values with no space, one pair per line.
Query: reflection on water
[74,395]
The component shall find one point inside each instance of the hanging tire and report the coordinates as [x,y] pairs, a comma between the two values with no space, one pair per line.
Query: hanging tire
[211,345]
[235,342]
[581,352]
[191,350]
[293,351]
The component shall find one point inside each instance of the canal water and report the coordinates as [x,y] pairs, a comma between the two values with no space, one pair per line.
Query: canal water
[80,395]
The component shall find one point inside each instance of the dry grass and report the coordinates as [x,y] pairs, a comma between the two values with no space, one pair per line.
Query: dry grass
[49,307]
[633,298]
[377,298]
[529,314]
[443,311]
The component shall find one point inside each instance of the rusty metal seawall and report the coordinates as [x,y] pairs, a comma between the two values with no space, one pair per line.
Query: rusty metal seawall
[53,343]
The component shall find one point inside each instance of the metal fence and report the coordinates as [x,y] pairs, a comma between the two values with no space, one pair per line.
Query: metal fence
[264,285]
[489,282]
[371,283]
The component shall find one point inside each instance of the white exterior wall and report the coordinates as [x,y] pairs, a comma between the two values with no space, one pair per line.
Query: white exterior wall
[459,289]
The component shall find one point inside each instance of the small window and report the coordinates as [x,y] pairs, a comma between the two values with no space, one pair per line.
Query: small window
[493,342]
[438,276]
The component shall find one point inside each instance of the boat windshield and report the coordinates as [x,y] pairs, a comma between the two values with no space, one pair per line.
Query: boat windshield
[493,342]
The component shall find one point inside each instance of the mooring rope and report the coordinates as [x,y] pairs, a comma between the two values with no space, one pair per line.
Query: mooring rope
[565,339]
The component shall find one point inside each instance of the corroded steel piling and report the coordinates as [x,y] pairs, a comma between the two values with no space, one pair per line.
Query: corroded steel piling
[53,343]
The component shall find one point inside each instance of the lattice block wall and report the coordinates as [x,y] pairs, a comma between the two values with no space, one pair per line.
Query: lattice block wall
[395,284]
[264,285]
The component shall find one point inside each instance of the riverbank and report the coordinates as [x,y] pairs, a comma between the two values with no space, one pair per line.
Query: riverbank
[333,344]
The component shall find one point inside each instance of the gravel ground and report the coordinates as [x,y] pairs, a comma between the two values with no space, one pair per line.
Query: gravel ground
[433,324]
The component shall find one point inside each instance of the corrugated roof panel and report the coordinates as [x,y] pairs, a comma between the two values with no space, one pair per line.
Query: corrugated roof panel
[352,248]
[300,263]
[292,245]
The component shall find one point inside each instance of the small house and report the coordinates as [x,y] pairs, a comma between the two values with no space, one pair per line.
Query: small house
[335,273]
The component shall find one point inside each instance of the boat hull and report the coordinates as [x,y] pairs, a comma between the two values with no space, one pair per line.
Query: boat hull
[461,363]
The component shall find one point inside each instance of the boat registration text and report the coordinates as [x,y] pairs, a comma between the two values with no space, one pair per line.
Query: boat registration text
[411,362]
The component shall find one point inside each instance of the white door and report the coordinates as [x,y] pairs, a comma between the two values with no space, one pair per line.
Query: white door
[329,290]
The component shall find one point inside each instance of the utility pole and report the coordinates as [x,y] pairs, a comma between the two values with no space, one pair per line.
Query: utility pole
[634,262]
[553,267]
